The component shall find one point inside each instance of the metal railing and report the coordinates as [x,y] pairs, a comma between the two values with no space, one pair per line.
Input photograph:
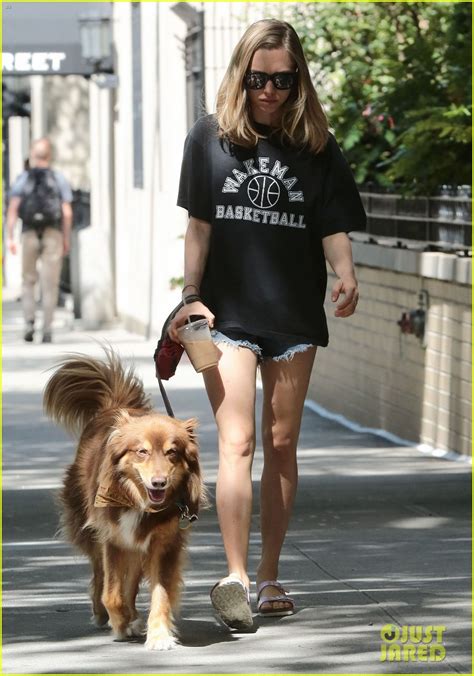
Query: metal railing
[443,221]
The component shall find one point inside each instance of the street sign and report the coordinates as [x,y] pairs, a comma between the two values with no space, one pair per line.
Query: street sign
[44,38]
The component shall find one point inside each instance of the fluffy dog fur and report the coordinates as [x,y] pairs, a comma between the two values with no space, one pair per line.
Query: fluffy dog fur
[143,460]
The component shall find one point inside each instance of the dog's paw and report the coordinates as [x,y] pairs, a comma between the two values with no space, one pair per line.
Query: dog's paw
[100,620]
[160,641]
[137,628]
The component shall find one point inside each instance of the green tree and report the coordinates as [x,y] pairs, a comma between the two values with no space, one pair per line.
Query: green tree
[395,81]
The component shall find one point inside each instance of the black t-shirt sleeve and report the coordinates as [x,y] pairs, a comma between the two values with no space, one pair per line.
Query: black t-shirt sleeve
[341,206]
[194,192]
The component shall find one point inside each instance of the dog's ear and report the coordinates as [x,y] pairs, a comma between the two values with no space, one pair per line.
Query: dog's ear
[190,426]
[195,491]
[112,484]
[115,443]
[191,452]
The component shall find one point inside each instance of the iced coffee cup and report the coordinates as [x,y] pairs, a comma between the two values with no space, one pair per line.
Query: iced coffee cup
[196,339]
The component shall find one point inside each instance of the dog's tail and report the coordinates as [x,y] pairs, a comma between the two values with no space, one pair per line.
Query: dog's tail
[82,387]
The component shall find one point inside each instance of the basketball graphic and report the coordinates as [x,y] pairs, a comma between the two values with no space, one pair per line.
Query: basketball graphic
[263,191]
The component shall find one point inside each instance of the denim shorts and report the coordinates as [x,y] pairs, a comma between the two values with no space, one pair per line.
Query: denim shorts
[278,348]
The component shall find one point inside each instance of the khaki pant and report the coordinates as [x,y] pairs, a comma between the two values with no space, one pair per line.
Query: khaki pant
[49,250]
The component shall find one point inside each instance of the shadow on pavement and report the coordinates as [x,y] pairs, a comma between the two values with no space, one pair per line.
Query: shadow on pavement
[379,534]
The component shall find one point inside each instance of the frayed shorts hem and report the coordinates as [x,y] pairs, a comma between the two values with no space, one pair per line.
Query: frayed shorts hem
[286,355]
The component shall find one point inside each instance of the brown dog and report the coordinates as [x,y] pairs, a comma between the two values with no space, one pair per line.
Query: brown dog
[133,488]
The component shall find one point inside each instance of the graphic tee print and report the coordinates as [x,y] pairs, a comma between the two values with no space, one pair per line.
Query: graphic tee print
[265,189]
[269,208]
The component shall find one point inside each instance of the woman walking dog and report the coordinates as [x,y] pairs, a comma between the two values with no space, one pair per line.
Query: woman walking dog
[270,198]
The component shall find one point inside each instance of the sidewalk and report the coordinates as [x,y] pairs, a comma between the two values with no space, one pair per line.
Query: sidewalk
[380,535]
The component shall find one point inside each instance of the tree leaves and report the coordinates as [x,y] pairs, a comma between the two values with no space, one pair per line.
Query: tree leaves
[395,80]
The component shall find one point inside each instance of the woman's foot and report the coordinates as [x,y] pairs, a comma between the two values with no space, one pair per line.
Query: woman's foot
[272,599]
[231,600]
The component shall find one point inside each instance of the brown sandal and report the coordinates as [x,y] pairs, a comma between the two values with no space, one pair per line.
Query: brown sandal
[283,596]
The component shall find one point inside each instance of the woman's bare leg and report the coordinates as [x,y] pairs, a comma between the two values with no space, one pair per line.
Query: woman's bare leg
[285,384]
[231,390]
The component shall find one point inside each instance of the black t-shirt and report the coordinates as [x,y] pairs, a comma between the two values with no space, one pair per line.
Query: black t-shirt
[269,207]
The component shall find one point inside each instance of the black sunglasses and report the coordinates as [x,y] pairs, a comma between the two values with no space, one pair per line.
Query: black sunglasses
[257,79]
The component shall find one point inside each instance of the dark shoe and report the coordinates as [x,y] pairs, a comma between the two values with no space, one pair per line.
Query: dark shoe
[47,337]
[29,333]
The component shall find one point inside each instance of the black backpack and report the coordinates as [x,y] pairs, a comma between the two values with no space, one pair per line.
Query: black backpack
[41,203]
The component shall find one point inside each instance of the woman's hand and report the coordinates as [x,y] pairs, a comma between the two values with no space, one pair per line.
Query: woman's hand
[196,308]
[346,286]
[338,251]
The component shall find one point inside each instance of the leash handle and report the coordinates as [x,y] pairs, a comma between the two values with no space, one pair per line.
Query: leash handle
[164,330]
[186,301]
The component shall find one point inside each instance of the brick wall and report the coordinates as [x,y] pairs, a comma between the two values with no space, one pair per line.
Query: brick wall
[376,376]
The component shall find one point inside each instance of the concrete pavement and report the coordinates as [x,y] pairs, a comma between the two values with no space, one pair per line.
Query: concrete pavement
[380,535]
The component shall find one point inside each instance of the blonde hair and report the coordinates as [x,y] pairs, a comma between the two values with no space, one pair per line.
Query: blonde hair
[303,120]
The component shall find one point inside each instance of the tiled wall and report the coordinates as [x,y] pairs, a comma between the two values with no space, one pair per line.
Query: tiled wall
[378,377]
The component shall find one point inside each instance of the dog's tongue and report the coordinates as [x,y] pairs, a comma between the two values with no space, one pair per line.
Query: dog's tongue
[156,494]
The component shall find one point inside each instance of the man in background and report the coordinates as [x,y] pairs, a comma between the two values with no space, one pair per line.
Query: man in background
[41,197]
